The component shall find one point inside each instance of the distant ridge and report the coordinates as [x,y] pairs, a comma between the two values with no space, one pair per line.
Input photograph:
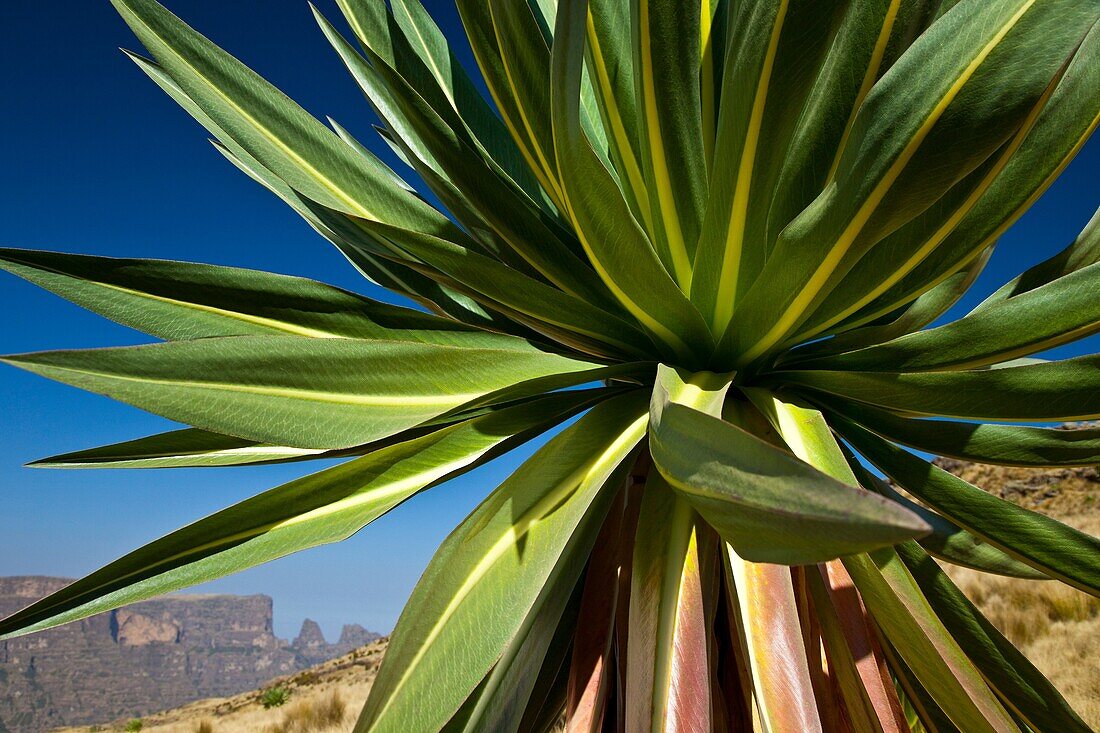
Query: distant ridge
[149,656]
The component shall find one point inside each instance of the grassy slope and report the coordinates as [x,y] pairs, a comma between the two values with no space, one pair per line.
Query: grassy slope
[323,699]
[1057,627]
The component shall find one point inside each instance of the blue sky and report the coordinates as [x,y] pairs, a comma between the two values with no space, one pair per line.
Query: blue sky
[97,160]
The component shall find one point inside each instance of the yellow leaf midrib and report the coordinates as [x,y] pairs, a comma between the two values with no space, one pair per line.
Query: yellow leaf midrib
[869,78]
[618,130]
[234,315]
[357,500]
[307,395]
[666,200]
[541,166]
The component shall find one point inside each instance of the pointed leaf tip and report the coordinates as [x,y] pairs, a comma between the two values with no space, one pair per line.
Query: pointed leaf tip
[769,505]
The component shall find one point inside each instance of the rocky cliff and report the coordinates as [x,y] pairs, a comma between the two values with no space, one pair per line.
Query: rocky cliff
[148,656]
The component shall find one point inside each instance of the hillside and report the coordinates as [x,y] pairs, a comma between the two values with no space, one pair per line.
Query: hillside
[315,696]
[146,657]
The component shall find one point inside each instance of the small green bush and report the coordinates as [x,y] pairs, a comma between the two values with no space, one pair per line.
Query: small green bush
[275,697]
[134,725]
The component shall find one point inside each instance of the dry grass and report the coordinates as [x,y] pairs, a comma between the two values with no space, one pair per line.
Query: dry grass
[313,716]
[1055,626]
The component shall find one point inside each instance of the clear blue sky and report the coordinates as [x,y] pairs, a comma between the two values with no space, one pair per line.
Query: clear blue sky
[96,159]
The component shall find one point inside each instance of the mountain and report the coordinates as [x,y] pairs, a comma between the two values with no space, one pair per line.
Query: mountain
[149,656]
[325,698]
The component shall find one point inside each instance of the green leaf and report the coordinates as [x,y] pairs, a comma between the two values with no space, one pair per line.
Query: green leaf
[549,679]
[613,240]
[422,125]
[387,136]
[668,652]
[425,49]
[362,149]
[1004,445]
[305,392]
[547,703]
[1018,683]
[609,55]
[272,128]
[887,262]
[180,300]
[326,507]
[375,258]
[667,54]
[868,39]
[811,439]
[1049,315]
[1058,390]
[186,448]
[1043,543]
[532,660]
[525,32]
[402,135]
[767,504]
[525,59]
[963,89]
[496,567]
[921,711]
[353,243]
[477,20]
[948,541]
[194,448]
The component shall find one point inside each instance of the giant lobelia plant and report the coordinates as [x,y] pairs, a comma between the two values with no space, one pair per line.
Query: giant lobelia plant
[715,231]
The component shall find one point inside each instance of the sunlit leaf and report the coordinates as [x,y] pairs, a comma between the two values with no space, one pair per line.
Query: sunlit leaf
[494,568]
[299,391]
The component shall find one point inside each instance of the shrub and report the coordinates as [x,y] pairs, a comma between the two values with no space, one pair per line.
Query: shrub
[274,697]
[134,725]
